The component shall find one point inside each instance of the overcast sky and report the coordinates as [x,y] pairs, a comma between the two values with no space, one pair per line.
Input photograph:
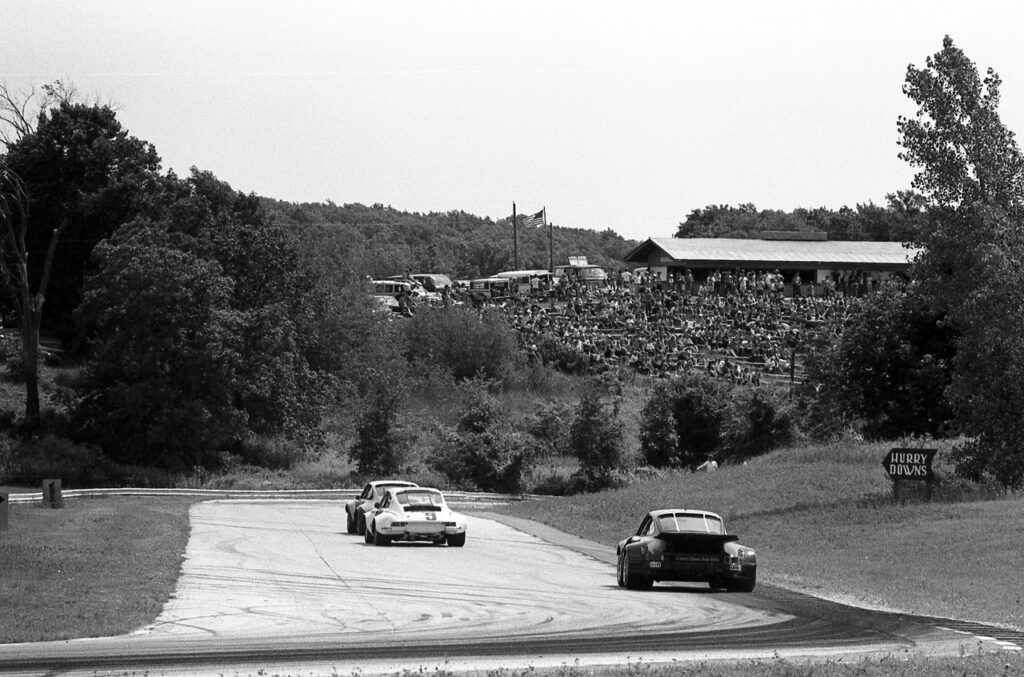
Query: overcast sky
[621,115]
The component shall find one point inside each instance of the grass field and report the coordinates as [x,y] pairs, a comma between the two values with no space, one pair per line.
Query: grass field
[96,567]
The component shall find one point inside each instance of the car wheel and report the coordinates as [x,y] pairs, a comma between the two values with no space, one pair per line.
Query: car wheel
[350,522]
[360,520]
[457,540]
[633,581]
[380,539]
[740,586]
[620,576]
[367,534]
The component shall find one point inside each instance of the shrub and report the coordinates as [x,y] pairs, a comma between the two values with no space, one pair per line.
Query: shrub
[465,341]
[596,438]
[762,422]
[549,426]
[484,453]
[50,456]
[683,421]
[381,446]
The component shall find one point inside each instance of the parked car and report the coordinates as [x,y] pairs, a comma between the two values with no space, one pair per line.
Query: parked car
[685,545]
[414,514]
[434,282]
[417,292]
[373,491]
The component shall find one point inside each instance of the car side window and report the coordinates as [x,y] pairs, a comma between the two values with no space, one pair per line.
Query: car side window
[645,527]
[367,491]
[385,501]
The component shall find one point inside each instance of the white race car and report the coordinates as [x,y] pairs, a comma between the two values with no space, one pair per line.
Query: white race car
[414,514]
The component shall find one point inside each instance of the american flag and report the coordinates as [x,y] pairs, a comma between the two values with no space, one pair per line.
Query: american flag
[534,220]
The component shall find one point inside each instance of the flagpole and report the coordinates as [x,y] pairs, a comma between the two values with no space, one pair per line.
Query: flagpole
[515,238]
[551,243]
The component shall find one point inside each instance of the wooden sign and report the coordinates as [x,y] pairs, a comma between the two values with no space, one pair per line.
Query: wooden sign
[910,464]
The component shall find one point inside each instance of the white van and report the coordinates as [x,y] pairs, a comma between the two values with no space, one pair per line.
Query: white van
[522,279]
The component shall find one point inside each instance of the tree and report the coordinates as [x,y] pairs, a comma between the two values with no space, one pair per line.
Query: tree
[198,314]
[484,452]
[890,366]
[684,420]
[158,389]
[971,172]
[85,176]
[381,446]
[596,436]
[14,272]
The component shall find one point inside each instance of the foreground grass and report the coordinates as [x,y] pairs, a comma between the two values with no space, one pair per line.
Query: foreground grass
[822,520]
[991,665]
[94,568]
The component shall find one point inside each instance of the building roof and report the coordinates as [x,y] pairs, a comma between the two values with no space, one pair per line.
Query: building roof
[773,253]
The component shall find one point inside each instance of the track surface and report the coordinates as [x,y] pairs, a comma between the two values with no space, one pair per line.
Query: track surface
[280,585]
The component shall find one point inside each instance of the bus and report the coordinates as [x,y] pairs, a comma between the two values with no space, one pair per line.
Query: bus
[491,287]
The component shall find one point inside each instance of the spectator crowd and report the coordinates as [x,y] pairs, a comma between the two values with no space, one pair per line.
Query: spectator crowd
[737,325]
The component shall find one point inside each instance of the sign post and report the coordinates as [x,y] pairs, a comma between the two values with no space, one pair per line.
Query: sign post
[52,495]
[909,464]
[4,509]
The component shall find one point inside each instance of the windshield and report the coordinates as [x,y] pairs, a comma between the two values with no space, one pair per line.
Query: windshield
[689,521]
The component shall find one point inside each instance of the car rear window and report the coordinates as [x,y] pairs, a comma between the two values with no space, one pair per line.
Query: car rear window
[420,498]
[691,521]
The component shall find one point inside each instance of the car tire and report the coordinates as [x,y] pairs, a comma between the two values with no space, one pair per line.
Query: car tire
[350,522]
[380,539]
[457,540]
[741,586]
[620,577]
[632,581]
[360,520]
[367,535]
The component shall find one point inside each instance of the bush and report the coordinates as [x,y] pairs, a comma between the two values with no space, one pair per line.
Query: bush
[762,422]
[48,456]
[549,426]
[596,438]
[484,453]
[466,342]
[684,420]
[381,446]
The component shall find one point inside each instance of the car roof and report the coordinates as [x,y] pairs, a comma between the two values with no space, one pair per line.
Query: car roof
[393,483]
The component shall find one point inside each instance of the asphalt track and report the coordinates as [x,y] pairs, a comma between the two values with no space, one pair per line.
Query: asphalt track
[278,586]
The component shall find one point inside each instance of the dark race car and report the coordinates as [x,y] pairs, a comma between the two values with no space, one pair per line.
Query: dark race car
[685,545]
[355,511]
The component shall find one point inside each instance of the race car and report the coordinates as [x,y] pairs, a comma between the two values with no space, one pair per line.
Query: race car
[685,545]
[414,514]
[372,492]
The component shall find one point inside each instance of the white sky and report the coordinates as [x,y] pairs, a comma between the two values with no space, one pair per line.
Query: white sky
[621,115]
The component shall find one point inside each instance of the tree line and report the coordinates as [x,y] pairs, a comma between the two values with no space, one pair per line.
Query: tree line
[212,325]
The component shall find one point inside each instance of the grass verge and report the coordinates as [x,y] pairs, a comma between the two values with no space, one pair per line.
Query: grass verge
[97,567]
